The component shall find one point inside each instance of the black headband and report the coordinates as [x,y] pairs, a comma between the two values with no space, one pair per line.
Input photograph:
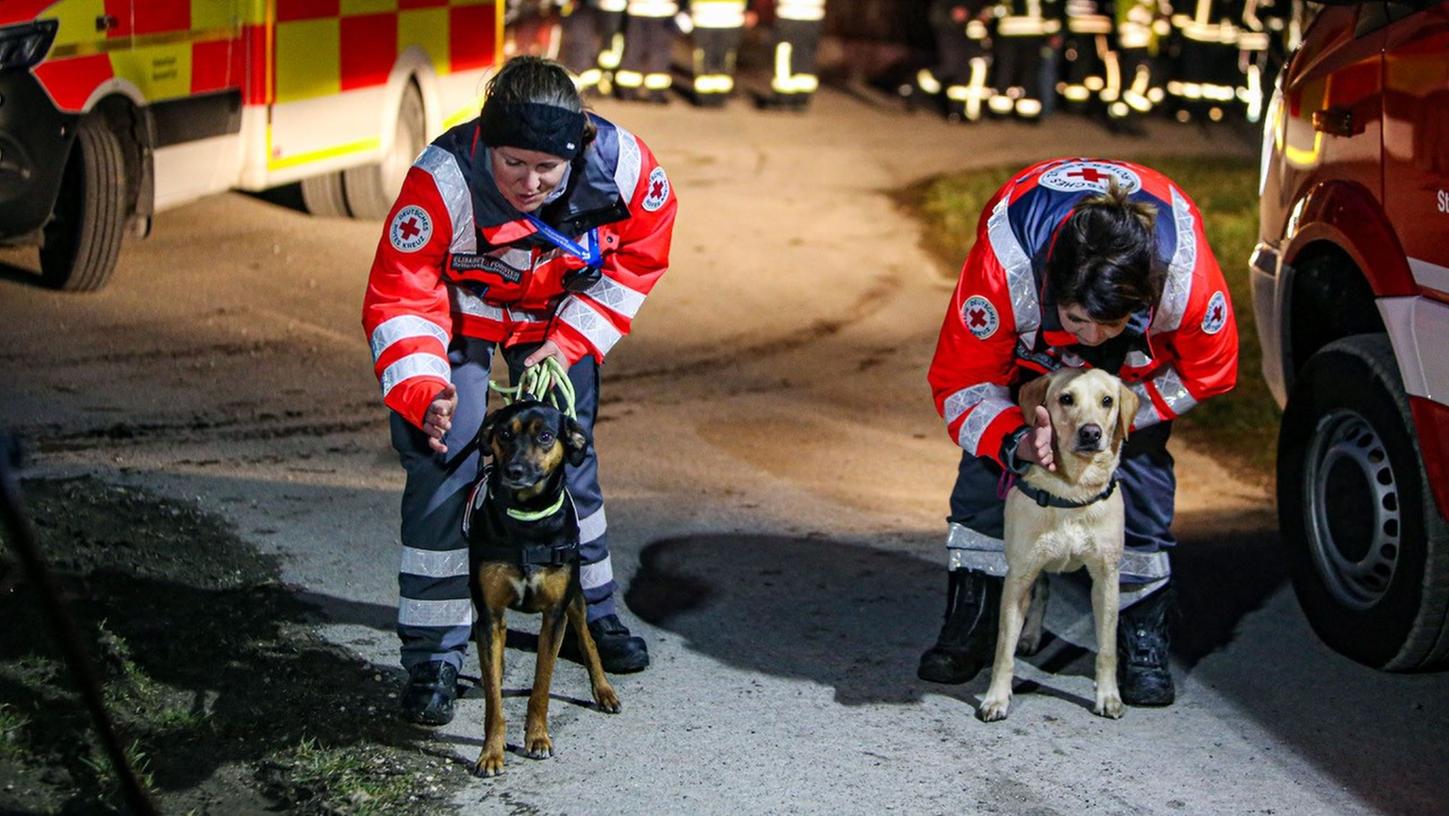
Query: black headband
[531,126]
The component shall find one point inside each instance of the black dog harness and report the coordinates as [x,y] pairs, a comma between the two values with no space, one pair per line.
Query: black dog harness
[488,540]
[1046,499]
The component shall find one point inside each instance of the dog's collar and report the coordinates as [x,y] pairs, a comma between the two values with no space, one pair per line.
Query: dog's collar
[538,515]
[1046,499]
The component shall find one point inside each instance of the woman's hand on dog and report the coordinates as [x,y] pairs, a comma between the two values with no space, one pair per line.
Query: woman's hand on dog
[439,417]
[1036,446]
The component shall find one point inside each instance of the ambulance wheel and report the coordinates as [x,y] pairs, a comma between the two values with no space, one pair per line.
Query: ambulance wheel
[372,189]
[322,196]
[81,241]
[1367,549]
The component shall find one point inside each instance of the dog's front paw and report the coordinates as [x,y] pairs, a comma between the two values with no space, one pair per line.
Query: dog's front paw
[607,700]
[1109,705]
[539,747]
[993,709]
[490,763]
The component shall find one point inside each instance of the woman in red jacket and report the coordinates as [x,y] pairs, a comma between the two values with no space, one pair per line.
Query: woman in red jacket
[539,229]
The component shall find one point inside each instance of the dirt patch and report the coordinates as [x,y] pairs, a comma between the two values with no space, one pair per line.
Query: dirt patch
[213,672]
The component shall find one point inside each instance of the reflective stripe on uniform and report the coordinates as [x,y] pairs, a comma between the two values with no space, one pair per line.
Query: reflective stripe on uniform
[1151,566]
[1146,415]
[653,8]
[435,613]
[626,171]
[592,576]
[415,365]
[985,412]
[718,13]
[404,327]
[434,563]
[968,549]
[593,326]
[465,302]
[593,526]
[1170,387]
[1179,273]
[1021,283]
[448,178]
[616,296]
[802,10]
[959,402]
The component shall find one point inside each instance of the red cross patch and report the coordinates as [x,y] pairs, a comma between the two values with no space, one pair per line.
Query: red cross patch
[1077,176]
[1216,315]
[980,317]
[410,229]
[658,190]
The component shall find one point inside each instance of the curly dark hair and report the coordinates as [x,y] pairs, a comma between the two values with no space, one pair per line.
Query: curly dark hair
[1104,258]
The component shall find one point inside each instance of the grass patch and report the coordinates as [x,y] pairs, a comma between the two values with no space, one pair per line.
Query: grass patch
[1240,427]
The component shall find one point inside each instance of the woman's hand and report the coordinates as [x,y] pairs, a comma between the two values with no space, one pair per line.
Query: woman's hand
[548,349]
[1036,446]
[439,417]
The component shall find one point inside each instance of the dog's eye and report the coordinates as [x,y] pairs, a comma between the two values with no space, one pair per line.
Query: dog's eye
[545,437]
[1106,402]
[505,433]
[1066,399]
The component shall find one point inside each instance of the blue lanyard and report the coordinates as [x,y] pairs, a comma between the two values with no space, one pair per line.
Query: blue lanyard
[591,256]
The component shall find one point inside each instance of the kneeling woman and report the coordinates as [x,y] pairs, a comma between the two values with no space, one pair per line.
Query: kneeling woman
[540,229]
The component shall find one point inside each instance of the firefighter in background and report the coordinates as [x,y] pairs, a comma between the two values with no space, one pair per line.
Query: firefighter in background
[1205,81]
[1023,29]
[1262,39]
[579,51]
[718,27]
[611,21]
[796,41]
[1142,28]
[1077,263]
[648,50]
[963,59]
[1090,70]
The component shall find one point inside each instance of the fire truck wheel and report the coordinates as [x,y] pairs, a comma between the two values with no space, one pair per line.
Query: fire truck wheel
[83,237]
[1366,546]
[372,189]
[322,196]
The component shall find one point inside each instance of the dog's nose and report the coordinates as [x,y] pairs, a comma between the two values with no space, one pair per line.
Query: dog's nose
[1089,435]
[514,472]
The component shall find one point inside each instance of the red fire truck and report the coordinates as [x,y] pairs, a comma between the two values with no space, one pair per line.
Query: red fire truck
[1351,291]
[111,110]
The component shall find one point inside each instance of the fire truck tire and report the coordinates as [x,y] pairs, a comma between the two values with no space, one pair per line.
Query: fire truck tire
[81,241]
[1366,547]
[323,197]
[372,189]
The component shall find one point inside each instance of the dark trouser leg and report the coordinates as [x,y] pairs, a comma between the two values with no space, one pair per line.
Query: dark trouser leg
[796,42]
[1149,493]
[714,63]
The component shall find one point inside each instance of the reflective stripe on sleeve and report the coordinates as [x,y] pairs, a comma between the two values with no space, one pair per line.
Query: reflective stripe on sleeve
[404,327]
[435,613]
[616,296]
[593,326]
[626,171]
[1146,415]
[1173,392]
[592,576]
[434,563]
[441,165]
[593,526]
[958,403]
[985,412]
[415,365]
[1025,309]
[1179,273]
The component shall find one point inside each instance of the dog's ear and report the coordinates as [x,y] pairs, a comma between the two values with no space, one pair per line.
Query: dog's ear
[485,435]
[576,441]
[1127,402]
[1032,395]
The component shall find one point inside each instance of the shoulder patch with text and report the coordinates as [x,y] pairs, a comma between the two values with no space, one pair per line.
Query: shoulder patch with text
[658,190]
[1217,313]
[980,317]
[410,229]
[1074,177]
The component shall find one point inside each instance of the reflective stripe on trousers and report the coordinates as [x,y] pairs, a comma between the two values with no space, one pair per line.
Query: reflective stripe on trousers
[1148,487]
[435,611]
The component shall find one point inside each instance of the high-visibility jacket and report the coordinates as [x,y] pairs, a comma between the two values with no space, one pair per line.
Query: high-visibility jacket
[455,259]
[727,14]
[803,10]
[1001,328]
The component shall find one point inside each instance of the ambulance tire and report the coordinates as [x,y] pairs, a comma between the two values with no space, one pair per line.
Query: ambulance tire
[372,189]
[322,196]
[1367,549]
[83,237]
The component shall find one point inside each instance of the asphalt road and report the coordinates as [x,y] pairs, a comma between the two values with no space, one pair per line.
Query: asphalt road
[777,484]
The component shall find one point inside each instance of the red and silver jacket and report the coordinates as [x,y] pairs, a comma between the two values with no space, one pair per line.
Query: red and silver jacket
[1002,327]
[455,259]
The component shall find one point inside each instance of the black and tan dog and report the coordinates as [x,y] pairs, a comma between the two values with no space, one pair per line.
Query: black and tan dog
[523,537]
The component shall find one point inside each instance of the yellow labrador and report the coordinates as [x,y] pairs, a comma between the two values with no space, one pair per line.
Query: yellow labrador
[1059,521]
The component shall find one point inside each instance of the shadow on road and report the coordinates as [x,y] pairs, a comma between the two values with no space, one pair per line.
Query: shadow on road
[19,274]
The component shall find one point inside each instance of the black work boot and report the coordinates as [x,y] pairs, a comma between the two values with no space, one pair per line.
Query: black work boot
[428,697]
[968,637]
[1142,642]
[619,651]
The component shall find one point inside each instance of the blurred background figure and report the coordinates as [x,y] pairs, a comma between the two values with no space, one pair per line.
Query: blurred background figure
[1262,26]
[1024,29]
[580,42]
[1142,30]
[1090,72]
[611,40]
[718,27]
[1204,82]
[648,49]
[796,43]
[963,58]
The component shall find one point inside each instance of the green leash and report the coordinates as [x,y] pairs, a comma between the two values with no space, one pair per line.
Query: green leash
[546,381]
